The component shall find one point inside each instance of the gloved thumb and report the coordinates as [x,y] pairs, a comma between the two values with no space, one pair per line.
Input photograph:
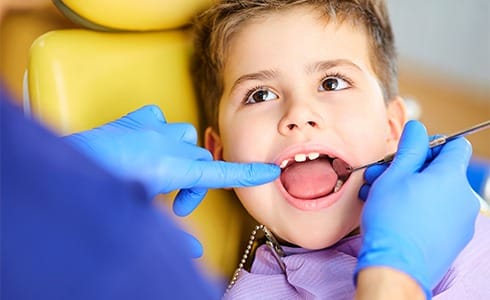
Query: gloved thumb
[412,149]
[148,117]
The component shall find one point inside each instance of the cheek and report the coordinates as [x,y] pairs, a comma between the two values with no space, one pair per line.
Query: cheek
[392,145]
[245,140]
[369,137]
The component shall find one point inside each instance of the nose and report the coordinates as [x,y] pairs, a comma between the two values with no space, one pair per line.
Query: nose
[299,117]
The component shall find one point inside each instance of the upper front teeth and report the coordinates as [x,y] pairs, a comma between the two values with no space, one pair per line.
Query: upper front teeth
[313,155]
[284,163]
[301,158]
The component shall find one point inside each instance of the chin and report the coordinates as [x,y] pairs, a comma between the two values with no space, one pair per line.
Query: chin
[319,239]
[316,245]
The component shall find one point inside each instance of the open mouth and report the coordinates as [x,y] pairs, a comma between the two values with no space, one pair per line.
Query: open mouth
[313,175]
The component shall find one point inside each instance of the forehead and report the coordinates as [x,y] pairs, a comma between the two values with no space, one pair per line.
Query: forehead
[299,35]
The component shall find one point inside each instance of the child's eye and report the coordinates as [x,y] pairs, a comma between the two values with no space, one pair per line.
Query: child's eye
[334,83]
[260,95]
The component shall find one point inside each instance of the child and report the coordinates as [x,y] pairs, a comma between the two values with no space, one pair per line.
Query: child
[307,85]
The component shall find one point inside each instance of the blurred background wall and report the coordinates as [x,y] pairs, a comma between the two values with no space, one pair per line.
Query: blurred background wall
[444,48]
[444,54]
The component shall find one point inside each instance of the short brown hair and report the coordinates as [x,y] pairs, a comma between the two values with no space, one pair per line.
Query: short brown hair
[215,27]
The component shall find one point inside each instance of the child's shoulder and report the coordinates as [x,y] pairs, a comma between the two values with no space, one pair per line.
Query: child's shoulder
[468,276]
[482,226]
[478,249]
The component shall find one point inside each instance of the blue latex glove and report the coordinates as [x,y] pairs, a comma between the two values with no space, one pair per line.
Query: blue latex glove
[421,211]
[142,146]
[165,157]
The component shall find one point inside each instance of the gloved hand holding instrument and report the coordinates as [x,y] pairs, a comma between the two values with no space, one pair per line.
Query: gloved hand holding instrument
[423,181]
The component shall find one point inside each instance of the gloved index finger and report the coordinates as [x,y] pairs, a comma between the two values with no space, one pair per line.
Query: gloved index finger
[221,174]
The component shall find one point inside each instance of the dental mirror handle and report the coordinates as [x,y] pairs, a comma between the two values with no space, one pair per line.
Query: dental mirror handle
[436,142]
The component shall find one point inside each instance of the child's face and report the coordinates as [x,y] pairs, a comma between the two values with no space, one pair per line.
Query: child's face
[294,84]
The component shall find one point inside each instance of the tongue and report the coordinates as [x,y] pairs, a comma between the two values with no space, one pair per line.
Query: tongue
[310,179]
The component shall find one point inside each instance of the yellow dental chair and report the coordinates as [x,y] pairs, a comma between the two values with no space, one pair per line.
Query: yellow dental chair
[131,54]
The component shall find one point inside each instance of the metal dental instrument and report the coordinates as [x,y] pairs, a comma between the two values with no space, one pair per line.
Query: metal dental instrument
[436,142]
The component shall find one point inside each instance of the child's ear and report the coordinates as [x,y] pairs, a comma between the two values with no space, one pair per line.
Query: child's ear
[397,117]
[212,142]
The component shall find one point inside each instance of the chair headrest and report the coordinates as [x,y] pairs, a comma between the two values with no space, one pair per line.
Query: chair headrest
[130,15]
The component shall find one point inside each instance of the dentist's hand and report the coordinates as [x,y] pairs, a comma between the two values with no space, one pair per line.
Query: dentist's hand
[418,214]
[164,157]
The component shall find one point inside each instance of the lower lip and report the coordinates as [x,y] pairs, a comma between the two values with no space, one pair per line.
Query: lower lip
[310,204]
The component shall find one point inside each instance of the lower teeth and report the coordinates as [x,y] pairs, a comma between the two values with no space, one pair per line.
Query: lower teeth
[338,185]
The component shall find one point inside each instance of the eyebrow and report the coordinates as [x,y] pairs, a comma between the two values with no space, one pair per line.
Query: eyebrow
[261,75]
[315,67]
[329,64]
